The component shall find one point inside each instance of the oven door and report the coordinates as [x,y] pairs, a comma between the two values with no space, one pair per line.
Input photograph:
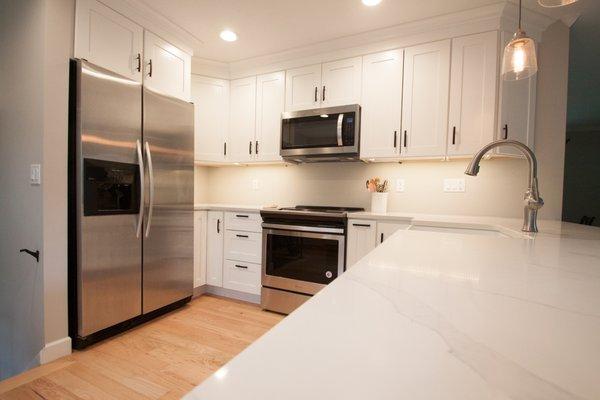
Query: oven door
[300,261]
[322,131]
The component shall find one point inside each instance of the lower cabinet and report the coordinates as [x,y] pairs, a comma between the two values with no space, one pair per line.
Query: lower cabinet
[214,248]
[200,228]
[242,276]
[365,235]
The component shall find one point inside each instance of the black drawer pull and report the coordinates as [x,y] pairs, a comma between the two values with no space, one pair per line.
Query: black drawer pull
[363,225]
[242,216]
[381,238]
[242,236]
[241,266]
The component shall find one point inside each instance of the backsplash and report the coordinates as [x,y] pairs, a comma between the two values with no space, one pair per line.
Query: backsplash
[497,191]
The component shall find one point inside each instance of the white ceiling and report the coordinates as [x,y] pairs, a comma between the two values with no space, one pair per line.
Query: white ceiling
[270,26]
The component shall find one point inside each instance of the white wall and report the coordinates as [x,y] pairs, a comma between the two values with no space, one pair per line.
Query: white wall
[21,128]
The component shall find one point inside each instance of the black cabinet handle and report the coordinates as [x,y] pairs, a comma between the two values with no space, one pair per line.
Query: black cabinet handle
[453,135]
[242,236]
[395,138]
[218,226]
[242,216]
[381,238]
[316,94]
[35,254]
[241,266]
[256,147]
[224,148]
[250,147]
[150,68]
[139,62]
[505,129]
[323,92]
[405,138]
[363,225]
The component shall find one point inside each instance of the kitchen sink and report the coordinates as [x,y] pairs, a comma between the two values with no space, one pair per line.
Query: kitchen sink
[464,231]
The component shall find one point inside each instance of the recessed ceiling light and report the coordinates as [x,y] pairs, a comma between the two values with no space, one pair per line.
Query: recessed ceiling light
[228,36]
[371,3]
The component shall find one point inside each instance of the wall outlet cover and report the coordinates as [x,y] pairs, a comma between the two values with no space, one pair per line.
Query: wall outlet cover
[255,184]
[454,185]
[399,185]
[35,174]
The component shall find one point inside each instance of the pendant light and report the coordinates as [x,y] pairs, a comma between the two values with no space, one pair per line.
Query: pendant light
[520,60]
[555,3]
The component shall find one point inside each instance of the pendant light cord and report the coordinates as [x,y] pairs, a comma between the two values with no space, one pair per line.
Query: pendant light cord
[520,8]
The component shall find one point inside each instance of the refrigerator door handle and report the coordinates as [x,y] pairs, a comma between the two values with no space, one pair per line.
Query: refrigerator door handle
[151,179]
[138,230]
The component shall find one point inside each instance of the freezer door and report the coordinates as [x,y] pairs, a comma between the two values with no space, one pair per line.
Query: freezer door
[108,195]
[168,225]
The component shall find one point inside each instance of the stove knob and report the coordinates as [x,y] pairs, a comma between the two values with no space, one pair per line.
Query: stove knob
[328,274]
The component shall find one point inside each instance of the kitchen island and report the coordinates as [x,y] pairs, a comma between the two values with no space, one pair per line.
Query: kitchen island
[439,315]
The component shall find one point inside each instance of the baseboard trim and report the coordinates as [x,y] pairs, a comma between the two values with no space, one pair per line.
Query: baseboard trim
[233,294]
[55,350]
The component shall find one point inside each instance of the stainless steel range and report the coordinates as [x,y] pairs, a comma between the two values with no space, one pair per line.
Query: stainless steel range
[304,249]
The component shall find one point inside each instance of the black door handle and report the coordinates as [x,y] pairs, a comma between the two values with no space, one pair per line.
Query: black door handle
[316,89]
[405,138]
[218,226]
[381,238]
[256,147]
[35,254]
[395,138]
[505,129]
[453,135]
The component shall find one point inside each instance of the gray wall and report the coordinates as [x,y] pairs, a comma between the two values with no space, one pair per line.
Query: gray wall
[21,130]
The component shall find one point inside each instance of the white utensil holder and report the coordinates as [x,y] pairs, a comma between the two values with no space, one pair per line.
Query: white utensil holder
[379,202]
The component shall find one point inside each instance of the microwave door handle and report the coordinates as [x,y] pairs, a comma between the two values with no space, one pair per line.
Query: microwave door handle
[138,230]
[151,179]
[340,141]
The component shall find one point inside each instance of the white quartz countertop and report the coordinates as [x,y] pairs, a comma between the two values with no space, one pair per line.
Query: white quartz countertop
[430,315]
[226,207]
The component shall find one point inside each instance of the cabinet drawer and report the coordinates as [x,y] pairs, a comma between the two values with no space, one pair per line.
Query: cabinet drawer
[241,276]
[243,246]
[243,221]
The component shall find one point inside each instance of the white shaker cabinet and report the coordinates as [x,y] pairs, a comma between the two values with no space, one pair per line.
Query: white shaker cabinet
[361,240]
[200,230]
[270,102]
[214,248]
[108,39]
[167,69]
[425,100]
[211,117]
[381,112]
[242,119]
[302,88]
[517,109]
[341,82]
[473,78]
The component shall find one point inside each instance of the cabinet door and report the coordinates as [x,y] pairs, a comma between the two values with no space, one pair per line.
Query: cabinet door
[302,88]
[108,39]
[381,105]
[167,68]
[243,246]
[214,248]
[425,100]
[517,110]
[242,117]
[341,82]
[387,229]
[270,101]
[473,80]
[361,240]
[242,276]
[211,117]
[200,226]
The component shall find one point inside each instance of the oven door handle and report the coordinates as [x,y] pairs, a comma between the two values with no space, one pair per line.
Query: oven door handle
[297,228]
[340,120]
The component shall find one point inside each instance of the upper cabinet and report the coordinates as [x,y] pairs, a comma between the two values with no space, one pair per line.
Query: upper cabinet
[167,68]
[302,88]
[381,105]
[473,93]
[270,100]
[323,85]
[425,100]
[211,117]
[242,119]
[341,82]
[108,39]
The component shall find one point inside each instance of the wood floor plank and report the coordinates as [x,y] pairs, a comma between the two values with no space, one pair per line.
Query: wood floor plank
[160,360]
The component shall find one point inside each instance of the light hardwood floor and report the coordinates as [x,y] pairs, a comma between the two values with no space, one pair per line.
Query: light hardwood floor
[162,359]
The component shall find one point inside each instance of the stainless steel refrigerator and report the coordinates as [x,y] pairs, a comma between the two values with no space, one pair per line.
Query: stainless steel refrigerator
[131,188]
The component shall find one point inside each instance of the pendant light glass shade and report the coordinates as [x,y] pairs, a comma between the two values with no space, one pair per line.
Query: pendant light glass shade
[520,60]
[555,3]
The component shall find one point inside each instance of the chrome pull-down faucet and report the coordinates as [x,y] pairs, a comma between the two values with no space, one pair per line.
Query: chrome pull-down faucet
[532,200]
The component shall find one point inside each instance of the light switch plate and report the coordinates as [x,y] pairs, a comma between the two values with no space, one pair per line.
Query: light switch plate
[454,185]
[399,185]
[255,184]
[35,174]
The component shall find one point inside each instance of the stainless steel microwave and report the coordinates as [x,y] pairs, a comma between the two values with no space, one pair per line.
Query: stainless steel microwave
[323,134]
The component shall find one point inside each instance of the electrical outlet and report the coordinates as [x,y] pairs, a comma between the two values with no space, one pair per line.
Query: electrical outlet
[35,174]
[255,184]
[454,185]
[399,185]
